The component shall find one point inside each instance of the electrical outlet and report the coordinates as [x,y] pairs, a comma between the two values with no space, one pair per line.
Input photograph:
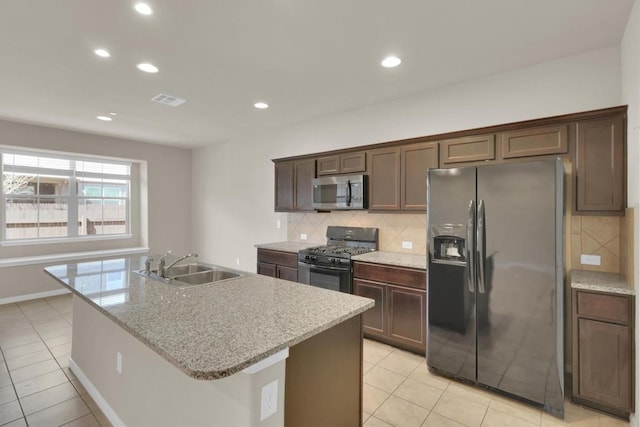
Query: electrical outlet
[269,402]
[119,362]
[237,261]
[278,224]
[590,259]
[303,236]
[407,245]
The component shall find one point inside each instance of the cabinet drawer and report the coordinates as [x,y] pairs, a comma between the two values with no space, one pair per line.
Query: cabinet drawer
[605,307]
[468,149]
[354,162]
[395,275]
[328,165]
[535,142]
[286,259]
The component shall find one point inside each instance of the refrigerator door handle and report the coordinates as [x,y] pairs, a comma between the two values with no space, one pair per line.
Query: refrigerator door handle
[471,219]
[481,246]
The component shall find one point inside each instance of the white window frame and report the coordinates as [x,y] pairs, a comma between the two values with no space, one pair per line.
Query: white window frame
[72,197]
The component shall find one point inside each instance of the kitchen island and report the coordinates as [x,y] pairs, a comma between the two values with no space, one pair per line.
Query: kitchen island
[151,353]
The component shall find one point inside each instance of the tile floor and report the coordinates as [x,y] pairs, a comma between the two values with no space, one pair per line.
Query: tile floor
[38,389]
[399,391]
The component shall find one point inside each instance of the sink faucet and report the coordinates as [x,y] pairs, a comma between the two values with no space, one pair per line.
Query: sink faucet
[162,267]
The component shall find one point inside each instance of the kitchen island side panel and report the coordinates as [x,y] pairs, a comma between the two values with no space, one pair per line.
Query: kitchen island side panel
[163,395]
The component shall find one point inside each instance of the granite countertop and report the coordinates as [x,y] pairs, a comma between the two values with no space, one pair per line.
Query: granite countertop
[394,258]
[292,247]
[208,331]
[603,282]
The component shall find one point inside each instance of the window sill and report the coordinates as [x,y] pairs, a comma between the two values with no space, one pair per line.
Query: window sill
[53,240]
[70,256]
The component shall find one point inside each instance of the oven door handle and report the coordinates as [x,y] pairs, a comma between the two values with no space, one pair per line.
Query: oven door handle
[321,267]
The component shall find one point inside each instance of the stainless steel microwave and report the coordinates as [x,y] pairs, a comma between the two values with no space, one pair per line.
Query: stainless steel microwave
[340,192]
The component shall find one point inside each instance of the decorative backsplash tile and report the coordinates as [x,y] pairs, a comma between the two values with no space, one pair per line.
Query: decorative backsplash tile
[596,235]
[393,229]
[591,235]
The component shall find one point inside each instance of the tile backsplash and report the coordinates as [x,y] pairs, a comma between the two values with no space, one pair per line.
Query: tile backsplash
[590,235]
[596,235]
[393,229]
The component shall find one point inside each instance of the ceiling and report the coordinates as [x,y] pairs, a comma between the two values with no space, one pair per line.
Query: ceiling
[306,58]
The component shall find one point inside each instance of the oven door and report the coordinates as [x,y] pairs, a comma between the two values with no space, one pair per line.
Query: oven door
[336,279]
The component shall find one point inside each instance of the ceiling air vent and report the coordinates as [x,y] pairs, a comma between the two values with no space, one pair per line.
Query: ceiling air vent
[168,100]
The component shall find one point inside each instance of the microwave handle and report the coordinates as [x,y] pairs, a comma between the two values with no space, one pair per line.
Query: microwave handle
[348,192]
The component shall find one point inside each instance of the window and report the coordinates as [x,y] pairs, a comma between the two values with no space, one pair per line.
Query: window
[53,196]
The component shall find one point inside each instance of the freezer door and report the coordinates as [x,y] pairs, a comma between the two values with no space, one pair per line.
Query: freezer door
[451,328]
[517,286]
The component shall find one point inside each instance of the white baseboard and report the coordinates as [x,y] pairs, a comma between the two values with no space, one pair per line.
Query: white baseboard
[36,295]
[95,394]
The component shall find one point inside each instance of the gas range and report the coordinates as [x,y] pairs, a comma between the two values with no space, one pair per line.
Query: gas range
[329,266]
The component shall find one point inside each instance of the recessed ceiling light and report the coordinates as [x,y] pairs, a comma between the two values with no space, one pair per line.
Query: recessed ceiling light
[261,105]
[143,8]
[104,118]
[147,68]
[390,62]
[102,52]
[113,114]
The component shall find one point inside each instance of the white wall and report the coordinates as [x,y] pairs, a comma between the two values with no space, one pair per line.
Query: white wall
[166,180]
[630,54]
[234,182]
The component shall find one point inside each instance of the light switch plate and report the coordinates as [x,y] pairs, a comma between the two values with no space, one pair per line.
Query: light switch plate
[407,245]
[590,259]
[303,236]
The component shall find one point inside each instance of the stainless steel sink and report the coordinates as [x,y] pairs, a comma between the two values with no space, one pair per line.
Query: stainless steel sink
[206,277]
[192,274]
[180,270]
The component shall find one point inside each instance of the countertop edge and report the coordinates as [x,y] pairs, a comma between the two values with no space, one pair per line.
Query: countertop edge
[285,246]
[393,259]
[603,288]
[612,283]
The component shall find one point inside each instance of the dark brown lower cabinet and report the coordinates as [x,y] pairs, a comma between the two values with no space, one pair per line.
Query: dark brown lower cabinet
[374,320]
[399,316]
[283,265]
[603,351]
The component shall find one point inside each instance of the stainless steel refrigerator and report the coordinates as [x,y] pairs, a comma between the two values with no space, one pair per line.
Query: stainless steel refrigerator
[495,278]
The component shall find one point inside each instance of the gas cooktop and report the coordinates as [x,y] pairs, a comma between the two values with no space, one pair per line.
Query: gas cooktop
[337,250]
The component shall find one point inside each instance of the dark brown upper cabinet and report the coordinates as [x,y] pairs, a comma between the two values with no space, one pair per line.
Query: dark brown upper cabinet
[304,172]
[384,179]
[284,186]
[416,159]
[342,163]
[468,149]
[294,185]
[599,166]
[537,141]
[594,141]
